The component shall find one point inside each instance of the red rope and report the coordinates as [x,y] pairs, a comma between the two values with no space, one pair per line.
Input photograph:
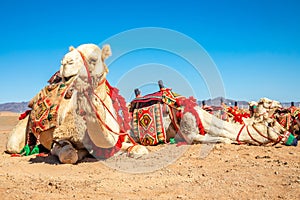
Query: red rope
[270,139]
[119,106]
[238,135]
[122,132]
[252,137]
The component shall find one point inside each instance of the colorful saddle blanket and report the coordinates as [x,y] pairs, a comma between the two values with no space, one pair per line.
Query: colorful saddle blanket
[148,125]
[45,107]
[147,119]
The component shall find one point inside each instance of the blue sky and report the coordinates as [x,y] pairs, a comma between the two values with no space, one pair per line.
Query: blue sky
[254,44]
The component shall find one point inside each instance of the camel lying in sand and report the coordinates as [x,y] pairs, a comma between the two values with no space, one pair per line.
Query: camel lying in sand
[73,126]
[87,121]
[198,126]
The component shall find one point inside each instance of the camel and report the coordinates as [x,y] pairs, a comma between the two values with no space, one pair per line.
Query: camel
[75,132]
[198,126]
[261,110]
[87,121]
[289,118]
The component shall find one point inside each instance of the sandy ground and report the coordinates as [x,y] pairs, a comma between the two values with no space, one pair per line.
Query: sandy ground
[187,172]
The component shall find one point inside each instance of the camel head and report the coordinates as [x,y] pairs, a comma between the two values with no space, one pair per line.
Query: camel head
[252,103]
[74,61]
[269,104]
[71,64]
[263,109]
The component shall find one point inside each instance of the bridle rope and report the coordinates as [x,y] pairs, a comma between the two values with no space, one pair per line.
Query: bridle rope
[103,81]
[250,135]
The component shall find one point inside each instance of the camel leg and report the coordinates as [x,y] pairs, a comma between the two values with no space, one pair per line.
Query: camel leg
[189,130]
[134,151]
[17,137]
[82,153]
[211,139]
[65,151]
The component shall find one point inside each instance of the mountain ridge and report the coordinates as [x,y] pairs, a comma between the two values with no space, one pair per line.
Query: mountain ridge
[17,107]
[20,107]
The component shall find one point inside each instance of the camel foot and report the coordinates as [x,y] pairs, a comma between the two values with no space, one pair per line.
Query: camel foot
[66,153]
[137,151]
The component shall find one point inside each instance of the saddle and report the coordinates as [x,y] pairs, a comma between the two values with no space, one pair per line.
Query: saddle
[148,112]
[45,106]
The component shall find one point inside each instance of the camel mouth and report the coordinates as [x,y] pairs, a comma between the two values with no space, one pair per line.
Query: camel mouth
[69,77]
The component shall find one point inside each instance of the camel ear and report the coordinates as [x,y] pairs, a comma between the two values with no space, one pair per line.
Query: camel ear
[106,52]
[71,48]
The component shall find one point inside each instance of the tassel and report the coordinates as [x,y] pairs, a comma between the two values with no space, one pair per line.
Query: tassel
[23,115]
[172,141]
[35,150]
[26,150]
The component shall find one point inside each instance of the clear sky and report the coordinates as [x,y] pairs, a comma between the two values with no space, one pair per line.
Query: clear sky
[255,44]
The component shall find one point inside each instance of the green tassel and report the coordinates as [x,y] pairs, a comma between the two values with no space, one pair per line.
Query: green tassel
[35,150]
[26,150]
[172,141]
[290,140]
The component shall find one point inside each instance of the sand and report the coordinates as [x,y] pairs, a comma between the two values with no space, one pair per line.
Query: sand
[219,171]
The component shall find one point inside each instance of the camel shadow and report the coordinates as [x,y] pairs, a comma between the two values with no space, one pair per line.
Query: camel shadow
[50,159]
[53,160]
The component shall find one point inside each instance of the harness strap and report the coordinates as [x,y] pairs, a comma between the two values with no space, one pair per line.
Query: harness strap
[260,143]
[271,140]
[238,135]
[252,137]
[172,116]
[111,114]
[122,132]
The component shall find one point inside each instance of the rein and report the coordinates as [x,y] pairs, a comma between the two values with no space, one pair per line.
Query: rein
[238,135]
[270,139]
[260,143]
[103,81]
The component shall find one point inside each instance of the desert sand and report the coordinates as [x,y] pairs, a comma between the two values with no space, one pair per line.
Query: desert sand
[201,171]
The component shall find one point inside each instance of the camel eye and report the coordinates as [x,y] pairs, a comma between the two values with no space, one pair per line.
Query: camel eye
[92,62]
[71,62]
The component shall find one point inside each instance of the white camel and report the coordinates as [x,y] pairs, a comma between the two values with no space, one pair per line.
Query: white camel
[83,71]
[218,130]
[261,129]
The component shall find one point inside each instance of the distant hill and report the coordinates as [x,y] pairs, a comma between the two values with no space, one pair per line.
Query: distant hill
[20,107]
[17,107]
[230,102]
[217,101]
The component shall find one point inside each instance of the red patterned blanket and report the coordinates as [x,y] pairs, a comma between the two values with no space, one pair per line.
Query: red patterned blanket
[45,106]
[148,125]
